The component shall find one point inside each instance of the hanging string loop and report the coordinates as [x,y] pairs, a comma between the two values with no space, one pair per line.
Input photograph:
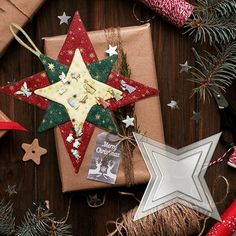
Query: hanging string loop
[31,48]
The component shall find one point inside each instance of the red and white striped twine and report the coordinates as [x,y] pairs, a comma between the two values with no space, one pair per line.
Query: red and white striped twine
[219,160]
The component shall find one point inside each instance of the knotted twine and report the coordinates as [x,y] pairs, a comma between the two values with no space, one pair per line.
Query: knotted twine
[175,220]
[113,38]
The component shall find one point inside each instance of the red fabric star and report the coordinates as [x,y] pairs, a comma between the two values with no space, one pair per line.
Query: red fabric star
[77,37]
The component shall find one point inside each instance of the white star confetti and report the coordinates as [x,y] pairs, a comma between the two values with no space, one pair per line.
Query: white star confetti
[129,121]
[185,67]
[112,50]
[64,18]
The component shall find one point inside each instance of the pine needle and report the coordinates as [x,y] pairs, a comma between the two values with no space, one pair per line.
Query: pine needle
[220,7]
[214,71]
[213,21]
[208,28]
[7,219]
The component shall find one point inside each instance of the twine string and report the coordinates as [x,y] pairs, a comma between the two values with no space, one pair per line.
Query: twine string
[129,194]
[139,20]
[64,219]
[227,188]
[113,38]
[177,219]
[119,141]
[220,159]
[31,48]
[217,203]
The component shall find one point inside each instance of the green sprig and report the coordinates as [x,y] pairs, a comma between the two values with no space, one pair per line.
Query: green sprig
[7,219]
[208,28]
[39,222]
[220,8]
[214,71]
[213,21]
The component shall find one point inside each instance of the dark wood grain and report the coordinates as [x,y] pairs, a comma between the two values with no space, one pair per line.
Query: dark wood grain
[171,47]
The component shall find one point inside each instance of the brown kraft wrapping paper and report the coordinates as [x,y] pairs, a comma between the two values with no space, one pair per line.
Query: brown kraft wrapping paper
[137,43]
[17,11]
[3,117]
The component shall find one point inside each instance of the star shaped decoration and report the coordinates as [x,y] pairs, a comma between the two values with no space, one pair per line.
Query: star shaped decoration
[64,18]
[197,116]
[177,176]
[185,67]
[33,151]
[112,50]
[129,121]
[56,114]
[173,104]
[51,66]
[11,189]
[76,90]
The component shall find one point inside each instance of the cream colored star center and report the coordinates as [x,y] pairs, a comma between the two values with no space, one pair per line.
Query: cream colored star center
[78,92]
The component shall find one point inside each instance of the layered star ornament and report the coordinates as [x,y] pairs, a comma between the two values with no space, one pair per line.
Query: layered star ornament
[112,50]
[64,18]
[57,71]
[177,176]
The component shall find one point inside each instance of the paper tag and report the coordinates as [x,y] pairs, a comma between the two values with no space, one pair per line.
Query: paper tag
[106,159]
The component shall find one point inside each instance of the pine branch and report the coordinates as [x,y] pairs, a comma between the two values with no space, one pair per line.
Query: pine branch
[126,72]
[208,27]
[220,8]
[40,223]
[7,219]
[124,67]
[214,71]
[34,224]
[57,229]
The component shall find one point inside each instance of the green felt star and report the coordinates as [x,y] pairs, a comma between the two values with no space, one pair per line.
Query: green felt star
[57,114]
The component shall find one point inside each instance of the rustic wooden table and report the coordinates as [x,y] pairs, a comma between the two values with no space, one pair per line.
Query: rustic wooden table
[34,183]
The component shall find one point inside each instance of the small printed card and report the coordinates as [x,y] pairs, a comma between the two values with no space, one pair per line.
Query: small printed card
[106,159]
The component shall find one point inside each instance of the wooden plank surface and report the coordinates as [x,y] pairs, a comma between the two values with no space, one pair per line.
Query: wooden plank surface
[171,47]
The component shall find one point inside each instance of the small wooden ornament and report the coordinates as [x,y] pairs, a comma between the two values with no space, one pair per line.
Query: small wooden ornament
[33,151]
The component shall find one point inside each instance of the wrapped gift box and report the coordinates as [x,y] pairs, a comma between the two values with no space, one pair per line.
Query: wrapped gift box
[3,117]
[137,44]
[17,11]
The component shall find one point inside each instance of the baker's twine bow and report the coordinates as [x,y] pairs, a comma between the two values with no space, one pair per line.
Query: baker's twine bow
[120,139]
